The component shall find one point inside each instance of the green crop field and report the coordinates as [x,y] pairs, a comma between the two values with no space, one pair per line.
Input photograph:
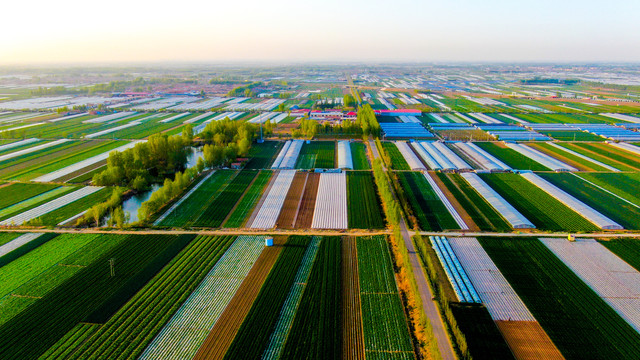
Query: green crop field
[317,154]
[6,237]
[319,313]
[253,335]
[262,155]
[383,320]
[608,205]
[128,332]
[397,160]
[544,211]
[627,249]
[25,268]
[97,296]
[511,157]
[35,201]
[15,193]
[359,156]
[199,200]
[622,184]
[93,148]
[364,210]
[576,319]
[607,154]
[425,204]
[569,159]
[217,210]
[72,209]
[482,214]
[572,136]
[249,200]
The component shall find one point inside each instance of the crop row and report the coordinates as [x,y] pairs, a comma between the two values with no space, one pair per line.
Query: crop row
[132,328]
[607,154]
[568,158]
[622,184]
[576,319]
[38,154]
[511,157]
[71,159]
[364,208]
[383,320]
[397,160]
[359,156]
[96,294]
[317,154]
[40,272]
[253,335]
[262,154]
[425,203]
[216,212]
[482,214]
[35,201]
[319,313]
[249,200]
[290,307]
[542,209]
[74,208]
[17,192]
[608,205]
[187,211]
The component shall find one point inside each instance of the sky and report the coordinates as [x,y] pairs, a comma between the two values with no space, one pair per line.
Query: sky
[72,31]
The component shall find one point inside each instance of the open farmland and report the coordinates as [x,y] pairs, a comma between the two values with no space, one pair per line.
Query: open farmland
[579,322]
[621,184]
[482,214]
[37,328]
[199,200]
[216,211]
[430,212]
[364,208]
[511,157]
[397,160]
[317,154]
[17,192]
[263,154]
[385,327]
[319,313]
[579,163]
[359,156]
[607,154]
[306,217]
[536,205]
[616,208]
[249,200]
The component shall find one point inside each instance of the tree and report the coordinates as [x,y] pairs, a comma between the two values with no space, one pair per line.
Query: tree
[200,165]
[348,100]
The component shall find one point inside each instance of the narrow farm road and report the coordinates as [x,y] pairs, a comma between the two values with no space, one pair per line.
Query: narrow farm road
[428,304]
[426,296]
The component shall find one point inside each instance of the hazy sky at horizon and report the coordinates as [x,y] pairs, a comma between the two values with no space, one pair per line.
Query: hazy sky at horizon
[332,30]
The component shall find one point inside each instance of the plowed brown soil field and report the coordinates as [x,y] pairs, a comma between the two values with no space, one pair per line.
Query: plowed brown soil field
[308,203]
[528,340]
[287,217]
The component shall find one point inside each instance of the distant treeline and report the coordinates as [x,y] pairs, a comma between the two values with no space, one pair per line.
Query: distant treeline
[540,81]
[113,86]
